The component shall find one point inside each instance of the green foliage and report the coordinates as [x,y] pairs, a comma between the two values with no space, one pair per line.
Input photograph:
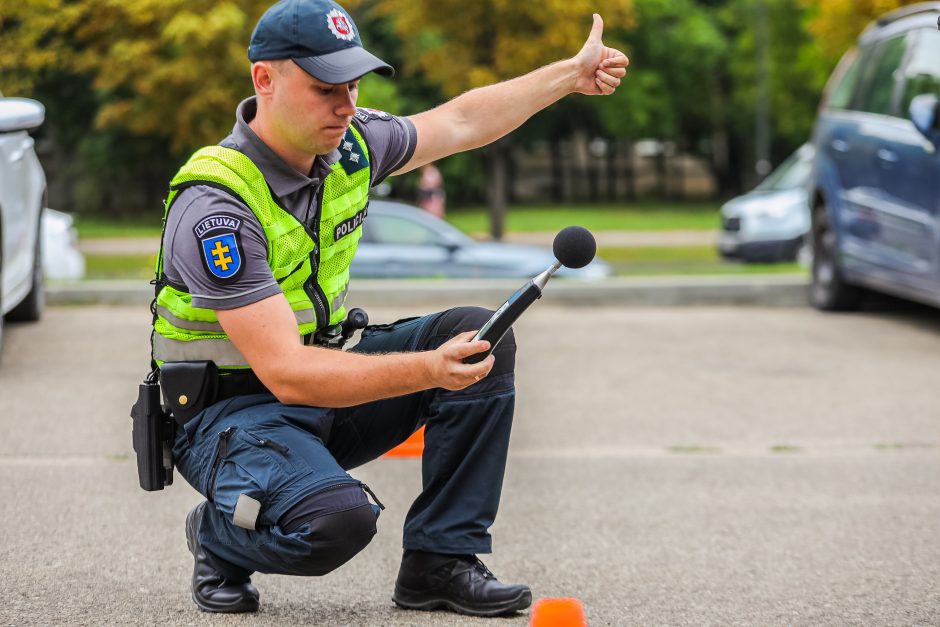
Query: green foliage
[796,73]
[171,69]
[131,87]
[459,45]
[836,24]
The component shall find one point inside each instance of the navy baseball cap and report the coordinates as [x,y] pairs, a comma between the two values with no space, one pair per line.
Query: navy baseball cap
[317,35]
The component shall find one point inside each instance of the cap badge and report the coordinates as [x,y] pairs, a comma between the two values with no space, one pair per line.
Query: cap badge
[339,25]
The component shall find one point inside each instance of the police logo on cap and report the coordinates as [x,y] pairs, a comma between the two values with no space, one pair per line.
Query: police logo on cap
[339,25]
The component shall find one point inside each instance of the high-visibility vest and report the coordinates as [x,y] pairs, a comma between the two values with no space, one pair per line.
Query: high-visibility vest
[311,267]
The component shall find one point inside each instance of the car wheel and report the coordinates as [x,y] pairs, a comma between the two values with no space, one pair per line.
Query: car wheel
[829,291]
[30,309]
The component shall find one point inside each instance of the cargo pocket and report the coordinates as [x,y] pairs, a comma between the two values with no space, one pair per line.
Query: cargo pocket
[247,468]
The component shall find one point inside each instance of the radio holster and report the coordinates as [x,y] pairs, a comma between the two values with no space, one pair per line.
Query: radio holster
[188,387]
[153,435]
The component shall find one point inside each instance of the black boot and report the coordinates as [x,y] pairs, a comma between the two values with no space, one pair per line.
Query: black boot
[460,583]
[212,592]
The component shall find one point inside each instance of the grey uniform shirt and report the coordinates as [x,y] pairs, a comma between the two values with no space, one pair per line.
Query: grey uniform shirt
[391,143]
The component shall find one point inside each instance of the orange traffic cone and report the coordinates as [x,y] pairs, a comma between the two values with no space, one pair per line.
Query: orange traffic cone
[562,612]
[412,447]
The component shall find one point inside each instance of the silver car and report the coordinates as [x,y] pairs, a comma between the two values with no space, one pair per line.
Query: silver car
[22,198]
[771,223]
[401,241]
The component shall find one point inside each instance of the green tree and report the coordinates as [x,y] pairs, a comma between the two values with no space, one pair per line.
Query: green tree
[836,24]
[160,78]
[458,45]
[163,68]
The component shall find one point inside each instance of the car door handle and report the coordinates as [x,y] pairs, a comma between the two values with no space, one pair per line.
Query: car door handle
[888,157]
[840,145]
[18,154]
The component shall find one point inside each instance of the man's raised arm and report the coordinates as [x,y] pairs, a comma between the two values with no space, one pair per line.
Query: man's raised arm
[483,115]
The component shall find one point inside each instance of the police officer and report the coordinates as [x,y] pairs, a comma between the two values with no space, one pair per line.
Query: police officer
[259,234]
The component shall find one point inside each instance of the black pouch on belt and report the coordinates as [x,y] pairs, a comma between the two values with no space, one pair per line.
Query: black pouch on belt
[189,387]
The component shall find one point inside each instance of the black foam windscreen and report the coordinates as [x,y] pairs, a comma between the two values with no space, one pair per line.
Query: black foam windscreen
[574,247]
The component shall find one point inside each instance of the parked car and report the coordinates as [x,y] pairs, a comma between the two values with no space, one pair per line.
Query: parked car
[771,223]
[22,198]
[61,258]
[399,241]
[875,188]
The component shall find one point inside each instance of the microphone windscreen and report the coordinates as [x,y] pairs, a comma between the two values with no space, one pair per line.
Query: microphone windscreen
[574,247]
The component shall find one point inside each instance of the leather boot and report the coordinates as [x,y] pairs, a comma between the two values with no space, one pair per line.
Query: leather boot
[212,592]
[460,583]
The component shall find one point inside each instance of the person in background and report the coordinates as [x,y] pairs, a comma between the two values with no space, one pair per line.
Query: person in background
[431,195]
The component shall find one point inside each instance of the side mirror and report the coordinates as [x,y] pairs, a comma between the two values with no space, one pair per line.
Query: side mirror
[925,114]
[449,246]
[20,114]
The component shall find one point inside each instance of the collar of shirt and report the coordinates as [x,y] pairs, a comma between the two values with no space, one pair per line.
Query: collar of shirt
[283,179]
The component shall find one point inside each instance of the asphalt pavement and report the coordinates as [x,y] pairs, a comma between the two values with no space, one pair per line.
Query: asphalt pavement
[669,466]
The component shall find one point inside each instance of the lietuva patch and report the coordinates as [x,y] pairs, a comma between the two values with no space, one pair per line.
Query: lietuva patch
[346,227]
[218,237]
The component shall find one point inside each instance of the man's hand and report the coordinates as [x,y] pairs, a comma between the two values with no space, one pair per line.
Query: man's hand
[599,68]
[446,368]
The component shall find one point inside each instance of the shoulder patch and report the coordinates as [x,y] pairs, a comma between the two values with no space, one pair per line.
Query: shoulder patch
[218,236]
[365,114]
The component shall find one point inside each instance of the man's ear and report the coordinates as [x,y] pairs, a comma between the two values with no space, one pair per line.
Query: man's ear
[262,75]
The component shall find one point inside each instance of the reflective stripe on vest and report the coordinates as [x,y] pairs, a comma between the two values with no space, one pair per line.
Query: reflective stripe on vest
[303,316]
[221,351]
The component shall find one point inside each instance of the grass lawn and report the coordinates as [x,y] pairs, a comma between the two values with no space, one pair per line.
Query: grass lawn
[639,261]
[120,266]
[699,260]
[639,216]
[97,228]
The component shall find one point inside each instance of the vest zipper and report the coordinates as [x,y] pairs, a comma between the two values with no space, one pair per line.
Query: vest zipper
[312,286]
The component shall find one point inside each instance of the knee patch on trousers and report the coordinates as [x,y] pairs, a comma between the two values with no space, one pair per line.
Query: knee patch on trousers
[341,523]
[460,319]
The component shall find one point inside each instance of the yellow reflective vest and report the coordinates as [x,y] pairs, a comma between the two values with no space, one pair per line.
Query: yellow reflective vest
[311,267]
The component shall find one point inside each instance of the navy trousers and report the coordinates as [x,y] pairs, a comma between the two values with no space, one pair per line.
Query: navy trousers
[293,460]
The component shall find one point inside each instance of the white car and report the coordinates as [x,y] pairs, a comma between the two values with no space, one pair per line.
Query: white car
[22,199]
[61,258]
[771,223]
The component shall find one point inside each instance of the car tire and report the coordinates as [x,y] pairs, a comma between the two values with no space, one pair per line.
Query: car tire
[829,291]
[30,309]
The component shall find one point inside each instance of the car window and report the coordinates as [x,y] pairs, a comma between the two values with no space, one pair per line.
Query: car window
[922,74]
[879,77]
[401,231]
[844,80]
[792,173]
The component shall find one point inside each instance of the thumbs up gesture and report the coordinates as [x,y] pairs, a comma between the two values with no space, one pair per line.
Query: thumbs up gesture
[599,68]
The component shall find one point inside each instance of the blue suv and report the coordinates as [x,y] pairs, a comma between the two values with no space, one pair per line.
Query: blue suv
[875,189]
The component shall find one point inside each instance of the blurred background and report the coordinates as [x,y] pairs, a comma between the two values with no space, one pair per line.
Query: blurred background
[132,88]
[718,93]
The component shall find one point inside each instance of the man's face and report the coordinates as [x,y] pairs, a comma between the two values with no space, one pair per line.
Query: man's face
[310,115]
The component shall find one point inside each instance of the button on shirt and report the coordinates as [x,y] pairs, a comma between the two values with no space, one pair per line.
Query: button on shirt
[391,143]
